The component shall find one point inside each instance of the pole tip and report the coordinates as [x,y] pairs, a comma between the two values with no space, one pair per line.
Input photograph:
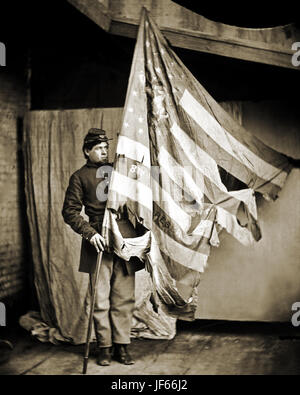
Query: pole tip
[85,362]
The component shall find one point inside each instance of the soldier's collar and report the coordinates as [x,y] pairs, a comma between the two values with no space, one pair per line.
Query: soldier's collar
[96,165]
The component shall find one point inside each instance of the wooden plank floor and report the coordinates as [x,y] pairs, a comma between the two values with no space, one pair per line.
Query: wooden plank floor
[200,347]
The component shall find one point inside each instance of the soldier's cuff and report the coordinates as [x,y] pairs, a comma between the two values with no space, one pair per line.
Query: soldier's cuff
[88,235]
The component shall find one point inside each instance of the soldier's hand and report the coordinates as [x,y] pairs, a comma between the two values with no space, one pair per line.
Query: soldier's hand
[98,242]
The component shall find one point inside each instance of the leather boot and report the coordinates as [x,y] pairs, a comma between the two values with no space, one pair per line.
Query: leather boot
[122,355]
[5,350]
[104,356]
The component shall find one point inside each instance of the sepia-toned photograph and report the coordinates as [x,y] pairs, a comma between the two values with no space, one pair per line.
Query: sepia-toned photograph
[149,184]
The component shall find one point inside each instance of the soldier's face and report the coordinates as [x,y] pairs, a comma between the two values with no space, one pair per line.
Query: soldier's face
[99,153]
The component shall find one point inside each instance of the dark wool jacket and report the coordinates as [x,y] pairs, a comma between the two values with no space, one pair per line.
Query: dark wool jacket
[82,191]
[86,186]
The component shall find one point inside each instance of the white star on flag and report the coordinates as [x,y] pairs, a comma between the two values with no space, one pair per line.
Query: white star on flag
[142,77]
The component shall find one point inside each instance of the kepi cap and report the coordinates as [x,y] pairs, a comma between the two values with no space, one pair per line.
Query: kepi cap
[95,136]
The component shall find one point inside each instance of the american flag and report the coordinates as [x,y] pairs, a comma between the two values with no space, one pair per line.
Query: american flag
[175,143]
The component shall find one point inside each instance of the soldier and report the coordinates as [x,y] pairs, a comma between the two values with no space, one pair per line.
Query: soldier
[115,292]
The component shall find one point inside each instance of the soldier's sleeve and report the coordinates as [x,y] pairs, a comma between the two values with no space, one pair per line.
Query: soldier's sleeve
[72,208]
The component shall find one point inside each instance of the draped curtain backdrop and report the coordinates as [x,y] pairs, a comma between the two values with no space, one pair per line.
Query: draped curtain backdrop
[53,151]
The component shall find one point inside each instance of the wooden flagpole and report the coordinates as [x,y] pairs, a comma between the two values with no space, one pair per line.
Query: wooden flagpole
[88,337]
